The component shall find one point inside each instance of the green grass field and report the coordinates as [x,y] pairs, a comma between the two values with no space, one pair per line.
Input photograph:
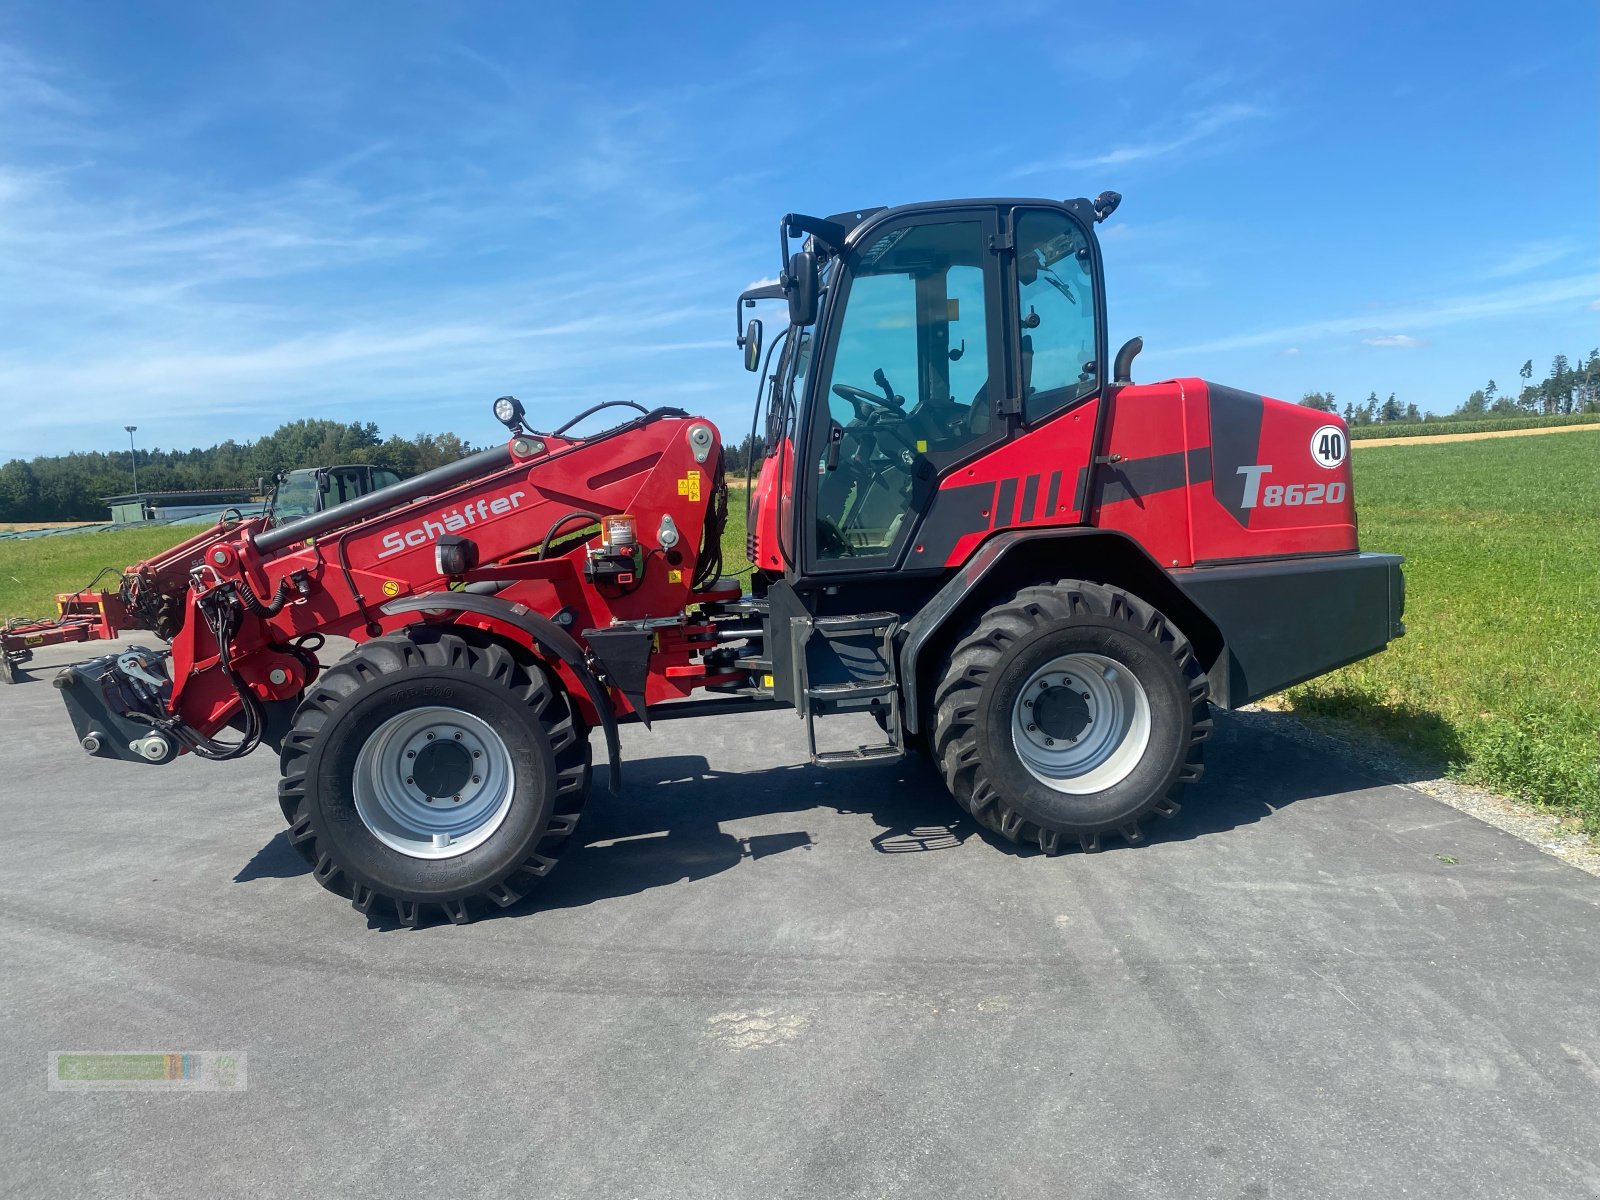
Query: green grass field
[1498,676]
[1395,429]
[33,570]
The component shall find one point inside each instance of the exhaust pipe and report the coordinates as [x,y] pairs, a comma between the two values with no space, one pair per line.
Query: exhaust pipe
[1122,369]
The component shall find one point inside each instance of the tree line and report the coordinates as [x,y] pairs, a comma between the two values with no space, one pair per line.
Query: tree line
[1568,388]
[70,487]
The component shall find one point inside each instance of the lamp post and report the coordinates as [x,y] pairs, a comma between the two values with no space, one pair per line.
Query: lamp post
[134,456]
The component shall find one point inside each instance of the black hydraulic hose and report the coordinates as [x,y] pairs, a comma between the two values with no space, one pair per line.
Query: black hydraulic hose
[474,466]
[279,598]
[589,412]
[544,546]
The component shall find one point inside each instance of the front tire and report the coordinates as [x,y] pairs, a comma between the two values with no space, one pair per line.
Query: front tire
[1069,711]
[430,773]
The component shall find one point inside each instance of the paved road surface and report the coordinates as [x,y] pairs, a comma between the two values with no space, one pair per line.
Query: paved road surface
[756,979]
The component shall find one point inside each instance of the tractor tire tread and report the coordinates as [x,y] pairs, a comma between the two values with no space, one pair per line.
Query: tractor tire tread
[527,685]
[978,652]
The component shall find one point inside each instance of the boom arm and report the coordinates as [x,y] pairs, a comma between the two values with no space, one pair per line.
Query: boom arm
[245,604]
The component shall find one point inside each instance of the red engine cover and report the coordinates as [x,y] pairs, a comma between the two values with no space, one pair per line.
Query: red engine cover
[1195,472]
[1210,473]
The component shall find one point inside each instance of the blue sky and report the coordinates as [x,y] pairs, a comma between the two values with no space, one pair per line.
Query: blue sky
[214,218]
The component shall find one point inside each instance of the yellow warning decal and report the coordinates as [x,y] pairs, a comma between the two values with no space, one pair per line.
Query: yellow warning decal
[391,587]
[674,576]
[766,681]
[689,485]
[922,445]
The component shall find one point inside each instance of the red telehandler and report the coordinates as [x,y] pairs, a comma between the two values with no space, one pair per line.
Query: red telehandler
[969,524]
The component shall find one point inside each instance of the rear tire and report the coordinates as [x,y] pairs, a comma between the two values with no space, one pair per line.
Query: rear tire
[431,774]
[1069,711]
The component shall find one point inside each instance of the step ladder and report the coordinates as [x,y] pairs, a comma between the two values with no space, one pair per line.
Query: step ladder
[870,676]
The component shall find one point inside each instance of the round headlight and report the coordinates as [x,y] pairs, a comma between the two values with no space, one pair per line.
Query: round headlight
[508,411]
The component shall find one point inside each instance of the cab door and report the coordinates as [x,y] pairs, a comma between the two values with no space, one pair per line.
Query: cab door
[911,380]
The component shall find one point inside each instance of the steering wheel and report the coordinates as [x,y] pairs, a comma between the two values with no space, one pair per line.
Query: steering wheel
[861,399]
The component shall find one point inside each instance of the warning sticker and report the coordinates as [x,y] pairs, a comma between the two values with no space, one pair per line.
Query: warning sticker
[689,485]
[674,576]
[391,587]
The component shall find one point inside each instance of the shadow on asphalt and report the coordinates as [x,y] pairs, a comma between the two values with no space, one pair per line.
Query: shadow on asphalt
[666,828]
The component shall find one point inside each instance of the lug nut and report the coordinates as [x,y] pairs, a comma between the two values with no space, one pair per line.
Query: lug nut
[1033,728]
[477,754]
[476,779]
[430,737]
[458,797]
[458,736]
[409,779]
[1049,741]
[1086,695]
[1027,704]
[411,753]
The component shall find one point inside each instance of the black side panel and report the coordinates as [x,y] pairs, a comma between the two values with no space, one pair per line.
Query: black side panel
[1137,477]
[1284,621]
[956,512]
[1235,442]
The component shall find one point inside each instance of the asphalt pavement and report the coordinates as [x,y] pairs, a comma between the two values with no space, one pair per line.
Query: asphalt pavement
[756,978]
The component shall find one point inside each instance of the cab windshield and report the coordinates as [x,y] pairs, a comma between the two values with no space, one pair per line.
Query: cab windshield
[296,496]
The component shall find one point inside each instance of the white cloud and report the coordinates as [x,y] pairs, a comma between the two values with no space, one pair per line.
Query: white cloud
[755,283]
[1593,306]
[1400,341]
[365,282]
[1531,256]
[1195,128]
[1289,352]
[1430,314]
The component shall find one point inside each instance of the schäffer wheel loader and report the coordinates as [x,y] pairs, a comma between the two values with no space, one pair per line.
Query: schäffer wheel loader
[969,523]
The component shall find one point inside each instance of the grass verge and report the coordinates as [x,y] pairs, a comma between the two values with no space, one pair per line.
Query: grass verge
[1498,677]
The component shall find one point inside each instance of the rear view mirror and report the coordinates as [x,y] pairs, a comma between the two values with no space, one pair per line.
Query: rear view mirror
[752,345]
[800,285]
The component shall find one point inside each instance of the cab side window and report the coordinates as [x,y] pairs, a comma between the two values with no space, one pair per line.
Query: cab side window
[1056,305]
[909,378]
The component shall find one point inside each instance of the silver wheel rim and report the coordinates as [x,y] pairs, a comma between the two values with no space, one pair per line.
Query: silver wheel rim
[1081,723]
[411,757]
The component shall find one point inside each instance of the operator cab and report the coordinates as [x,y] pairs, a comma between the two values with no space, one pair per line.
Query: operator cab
[309,490]
[920,337]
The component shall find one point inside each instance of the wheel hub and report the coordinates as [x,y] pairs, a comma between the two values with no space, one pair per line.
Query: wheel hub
[1061,712]
[442,768]
[1081,723]
[433,782]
